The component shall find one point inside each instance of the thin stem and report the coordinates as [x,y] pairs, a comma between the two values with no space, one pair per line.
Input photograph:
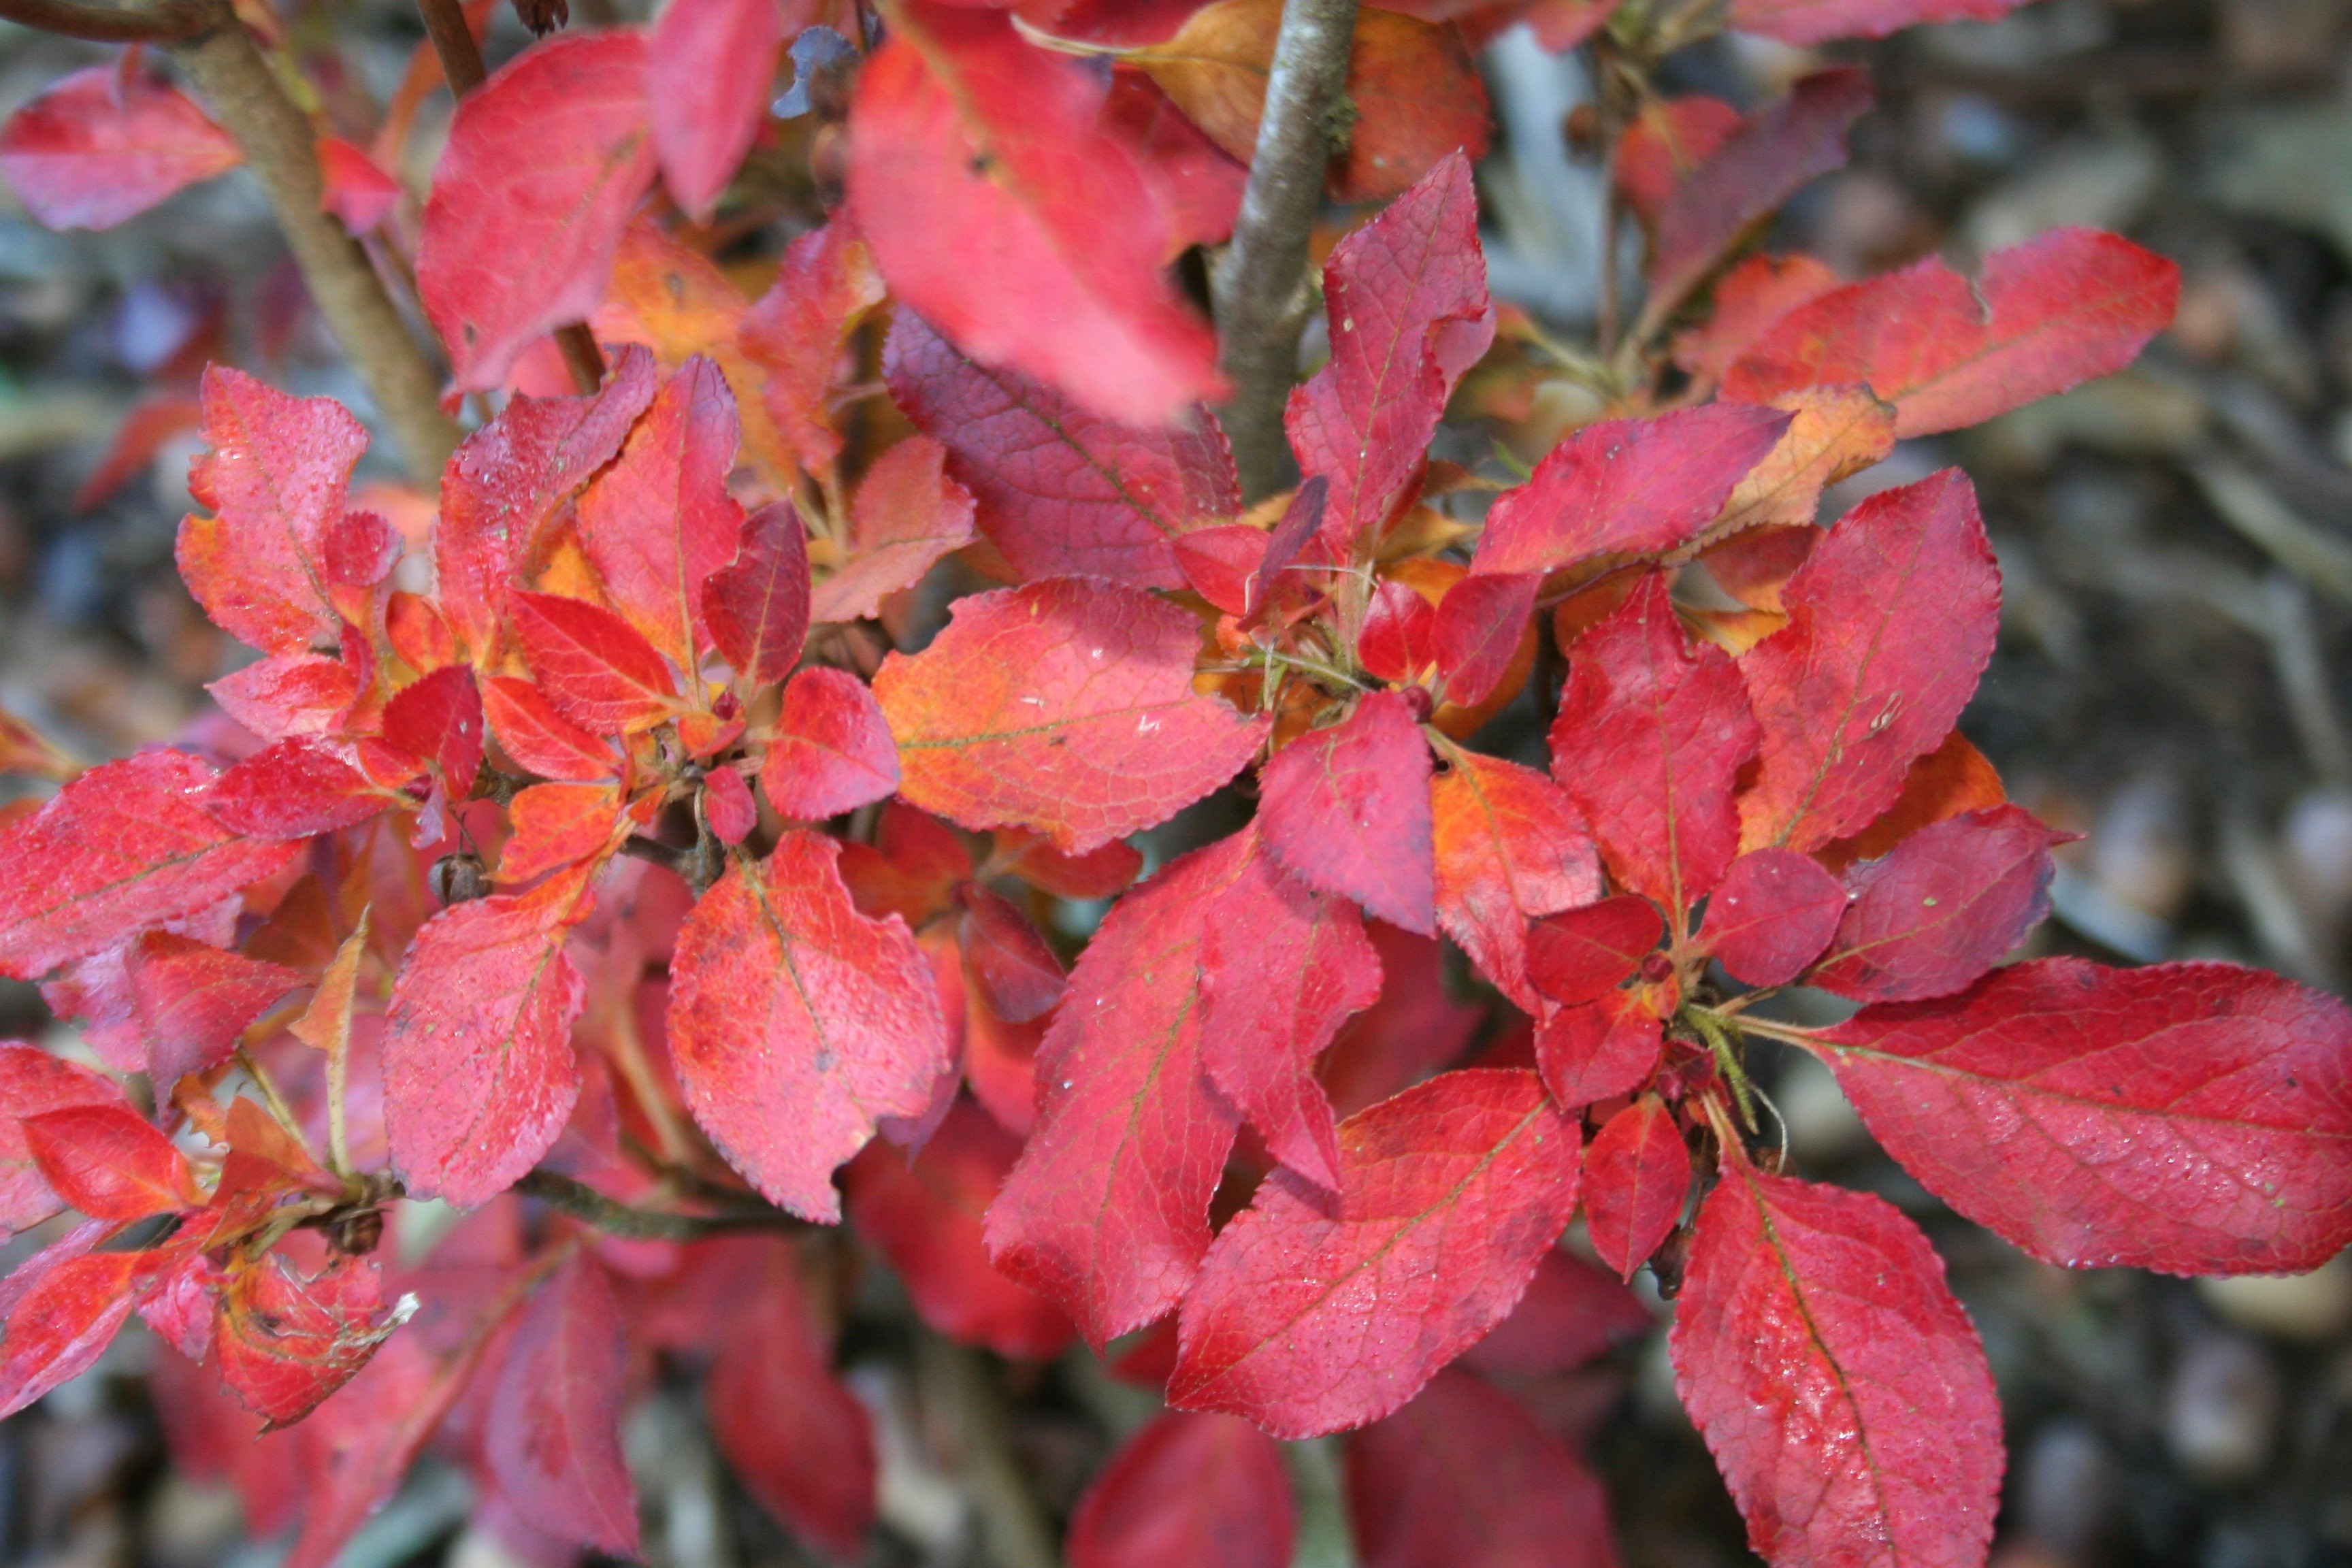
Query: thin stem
[591,1207]
[1717,1036]
[275,1102]
[1259,287]
[228,72]
[461,65]
[157,22]
[1790,1033]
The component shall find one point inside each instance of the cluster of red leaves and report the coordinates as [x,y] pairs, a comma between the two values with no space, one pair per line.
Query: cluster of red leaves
[592,834]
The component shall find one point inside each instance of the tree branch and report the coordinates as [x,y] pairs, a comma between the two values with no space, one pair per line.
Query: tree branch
[1259,287]
[228,72]
[160,22]
[591,1207]
[461,65]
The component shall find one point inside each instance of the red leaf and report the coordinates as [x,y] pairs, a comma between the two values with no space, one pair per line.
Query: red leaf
[1651,736]
[1953,778]
[908,514]
[659,521]
[1407,299]
[592,665]
[710,67]
[1346,810]
[832,751]
[1626,487]
[284,694]
[1941,908]
[275,480]
[104,144]
[1018,975]
[1891,620]
[1398,642]
[33,1081]
[1663,145]
[1510,848]
[1805,22]
[478,1075]
[799,1441]
[1481,625]
[1772,915]
[1749,301]
[757,605]
[1281,969]
[959,125]
[1066,706]
[108,1162]
[522,227]
[1060,488]
[2192,1118]
[556,825]
[1573,1312]
[1839,1385]
[299,787]
[61,1325]
[728,805]
[1464,1477]
[794,1022]
[1605,1047]
[1775,153]
[1097,874]
[123,846]
[508,478]
[1187,1489]
[194,1000]
[357,191]
[539,738]
[1636,1174]
[553,1428]
[926,1217]
[1107,1211]
[1577,956]
[1309,1317]
[1947,351]
[1195,184]
[438,720]
[287,1342]
[824,284]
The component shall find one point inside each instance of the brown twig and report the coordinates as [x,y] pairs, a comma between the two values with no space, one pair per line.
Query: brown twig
[161,22]
[591,1207]
[228,72]
[462,66]
[1259,287]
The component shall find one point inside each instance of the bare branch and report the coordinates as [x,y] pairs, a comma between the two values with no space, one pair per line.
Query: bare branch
[158,22]
[587,1204]
[237,85]
[461,65]
[1260,285]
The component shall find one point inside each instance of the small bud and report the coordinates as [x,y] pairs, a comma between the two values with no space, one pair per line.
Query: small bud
[543,16]
[458,879]
[1418,699]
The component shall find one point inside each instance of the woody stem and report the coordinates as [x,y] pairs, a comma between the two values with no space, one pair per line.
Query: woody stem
[1259,286]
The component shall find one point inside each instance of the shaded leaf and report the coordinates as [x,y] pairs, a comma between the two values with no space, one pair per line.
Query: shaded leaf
[1464,1477]
[108,1162]
[795,332]
[1579,955]
[1637,1173]
[1605,1047]
[906,515]
[1573,1312]
[287,1341]
[194,1000]
[1346,810]
[1187,1489]
[757,605]
[553,1430]
[1942,908]
[1772,915]
[541,740]
[1058,489]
